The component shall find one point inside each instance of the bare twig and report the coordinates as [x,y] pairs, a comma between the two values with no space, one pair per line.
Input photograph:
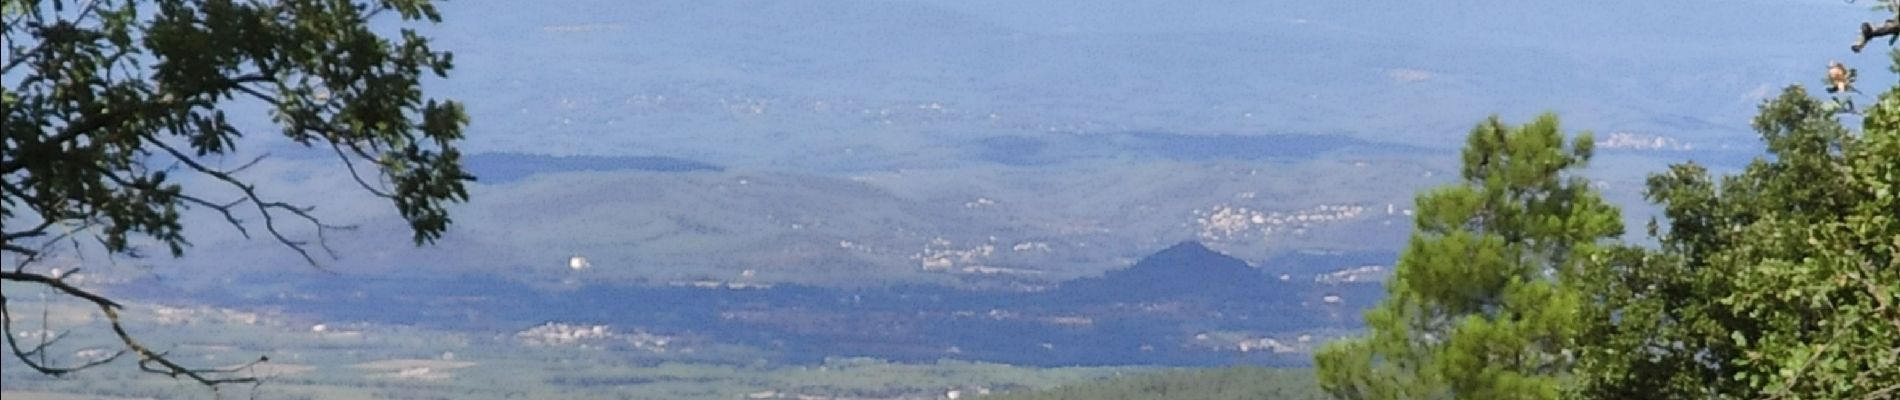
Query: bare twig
[26,356]
[36,230]
[263,207]
[351,165]
[149,361]
[248,164]
[329,135]
[1869,32]
[59,285]
[18,249]
[22,57]
[223,209]
[31,255]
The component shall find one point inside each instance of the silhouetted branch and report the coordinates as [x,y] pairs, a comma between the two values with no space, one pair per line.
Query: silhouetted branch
[351,165]
[223,209]
[1869,32]
[328,133]
[26,356]
[263,207]
[1890,28]
[31,255]
[149,361]
[36,230]
[59,285]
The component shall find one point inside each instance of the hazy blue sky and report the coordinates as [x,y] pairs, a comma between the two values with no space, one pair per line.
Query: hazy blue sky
[618,77]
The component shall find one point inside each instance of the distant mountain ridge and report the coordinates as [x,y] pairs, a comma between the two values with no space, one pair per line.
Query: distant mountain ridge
[1034,150]
[494,168]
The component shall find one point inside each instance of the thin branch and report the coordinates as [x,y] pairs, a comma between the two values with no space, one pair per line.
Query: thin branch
[86,12]
[14,248]
[26,356]
[36,230]
[248,164]
[351,165]
[32,255]
[324,131]
[1869,32]
[223,209]
[61,286]
[45,342]
[21,58]
[147,357]
[1883,393]
[259,94]
[263,207]
[358,149]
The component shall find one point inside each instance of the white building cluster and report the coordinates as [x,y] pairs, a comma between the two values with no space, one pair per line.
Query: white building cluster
[1638,141]
[940,255]
[1364,273]
[182,315]
[1225,222]
[561,334]
[554,333]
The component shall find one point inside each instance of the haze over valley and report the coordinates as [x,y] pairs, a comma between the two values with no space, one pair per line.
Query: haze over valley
[758,192]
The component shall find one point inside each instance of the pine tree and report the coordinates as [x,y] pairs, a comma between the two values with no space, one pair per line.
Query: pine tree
[1478,307]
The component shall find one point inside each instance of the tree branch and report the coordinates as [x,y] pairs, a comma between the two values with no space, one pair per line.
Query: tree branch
[59,285]
[36,230]
[222,209]
[9,246]
[31,255]
[22,57]
[263,207]
[358,177]
[26,356]
[1869,32]
[147,357]
[323,131]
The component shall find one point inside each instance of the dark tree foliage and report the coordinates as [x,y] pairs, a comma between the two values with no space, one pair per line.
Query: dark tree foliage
[1780,281]
[1480,305]
[108,101]
[1777,282]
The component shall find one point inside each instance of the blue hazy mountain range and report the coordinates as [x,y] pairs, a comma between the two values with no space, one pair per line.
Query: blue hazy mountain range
[495,168]
[855,85]
[846,141]
[991,153]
